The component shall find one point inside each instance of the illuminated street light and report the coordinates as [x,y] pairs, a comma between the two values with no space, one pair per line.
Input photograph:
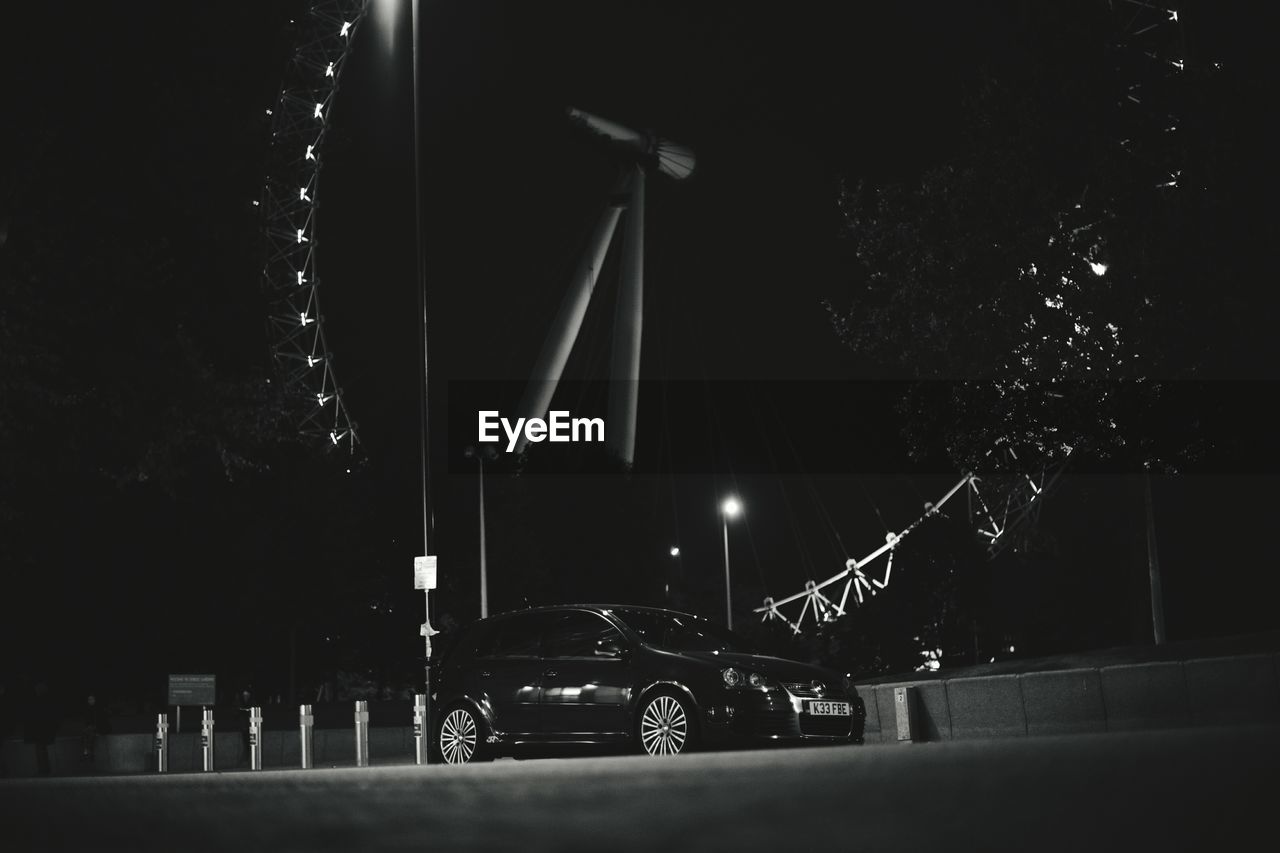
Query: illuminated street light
[675,552]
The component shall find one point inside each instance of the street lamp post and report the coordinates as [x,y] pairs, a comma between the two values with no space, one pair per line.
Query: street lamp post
[480,454]
[729,509]
[426,629]
[484,569]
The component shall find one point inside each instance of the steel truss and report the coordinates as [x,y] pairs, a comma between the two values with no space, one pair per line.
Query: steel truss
[815,602]
[1150,55]
[1002,505]
[290,201]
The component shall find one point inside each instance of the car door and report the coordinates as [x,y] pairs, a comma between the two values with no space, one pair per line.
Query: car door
[506,674]
[586,678]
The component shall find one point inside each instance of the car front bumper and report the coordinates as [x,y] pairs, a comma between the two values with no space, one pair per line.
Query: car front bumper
[776,715]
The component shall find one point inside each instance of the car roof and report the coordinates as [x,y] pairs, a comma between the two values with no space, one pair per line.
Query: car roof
[552,608]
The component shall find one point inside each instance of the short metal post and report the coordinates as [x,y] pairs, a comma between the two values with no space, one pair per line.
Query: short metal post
[904,704]
[162,743]
[420,741]
[306,731]
[206,737]
[362,733]
[255,737]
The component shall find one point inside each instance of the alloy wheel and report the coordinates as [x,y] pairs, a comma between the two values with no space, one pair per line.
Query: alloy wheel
[664,727]
[458,737]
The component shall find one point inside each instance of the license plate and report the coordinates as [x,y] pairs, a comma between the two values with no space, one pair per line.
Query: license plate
[828,709]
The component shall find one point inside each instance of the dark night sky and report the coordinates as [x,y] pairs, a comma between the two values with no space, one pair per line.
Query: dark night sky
[152,121]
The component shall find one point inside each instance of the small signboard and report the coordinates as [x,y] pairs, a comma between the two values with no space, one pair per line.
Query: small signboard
[424,572]
[191,690]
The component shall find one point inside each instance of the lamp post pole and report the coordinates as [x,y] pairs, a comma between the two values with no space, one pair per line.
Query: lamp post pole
[1153,566]
[479,454]
[427,630]
[728,509]
[728,589]
[484,569]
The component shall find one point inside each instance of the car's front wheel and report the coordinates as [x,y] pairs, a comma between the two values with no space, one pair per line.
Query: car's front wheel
[461,736]
[666,724]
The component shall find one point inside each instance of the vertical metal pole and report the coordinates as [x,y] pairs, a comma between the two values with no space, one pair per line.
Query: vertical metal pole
[255,737]
[904,703]
[306,736]
[206,738]
[728,589]
[1153,566]
[484,569]
[362,733]
[628,320]
[426,680]
[420,735]
[162,743]
[422,310]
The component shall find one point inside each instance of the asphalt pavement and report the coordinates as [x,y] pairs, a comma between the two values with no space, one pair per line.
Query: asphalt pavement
[1177,790]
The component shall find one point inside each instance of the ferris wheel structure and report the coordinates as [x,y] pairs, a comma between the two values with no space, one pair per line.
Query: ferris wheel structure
[300,123]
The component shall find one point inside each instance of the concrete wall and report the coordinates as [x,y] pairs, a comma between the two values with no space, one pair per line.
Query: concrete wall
[1210,691]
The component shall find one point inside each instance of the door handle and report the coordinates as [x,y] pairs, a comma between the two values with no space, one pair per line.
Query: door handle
[551,673]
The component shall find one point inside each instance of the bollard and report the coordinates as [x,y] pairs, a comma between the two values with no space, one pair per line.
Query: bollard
[306,731]
[362,733]
[206,737]
[420,742]
[904,704]
[255,737]
[162,743]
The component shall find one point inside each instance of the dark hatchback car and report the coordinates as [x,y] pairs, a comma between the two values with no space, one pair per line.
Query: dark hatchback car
[655,680]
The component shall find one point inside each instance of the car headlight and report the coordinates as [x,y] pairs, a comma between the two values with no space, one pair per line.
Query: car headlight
[736,678]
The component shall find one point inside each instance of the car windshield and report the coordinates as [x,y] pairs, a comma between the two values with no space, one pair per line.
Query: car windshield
[680,633]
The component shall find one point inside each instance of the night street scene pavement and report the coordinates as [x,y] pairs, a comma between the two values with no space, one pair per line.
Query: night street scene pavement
[682,424]
[1178,791]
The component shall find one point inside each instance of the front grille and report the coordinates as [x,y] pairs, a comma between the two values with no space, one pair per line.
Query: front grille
[825,726]
[801,689]
[805,690]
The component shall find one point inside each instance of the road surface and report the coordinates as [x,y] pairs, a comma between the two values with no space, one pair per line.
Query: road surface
[1192,789]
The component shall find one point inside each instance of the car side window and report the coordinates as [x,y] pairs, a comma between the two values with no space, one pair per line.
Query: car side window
[517,636]
[578,634]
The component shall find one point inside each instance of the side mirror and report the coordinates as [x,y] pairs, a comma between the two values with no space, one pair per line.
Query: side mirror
[610,649]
